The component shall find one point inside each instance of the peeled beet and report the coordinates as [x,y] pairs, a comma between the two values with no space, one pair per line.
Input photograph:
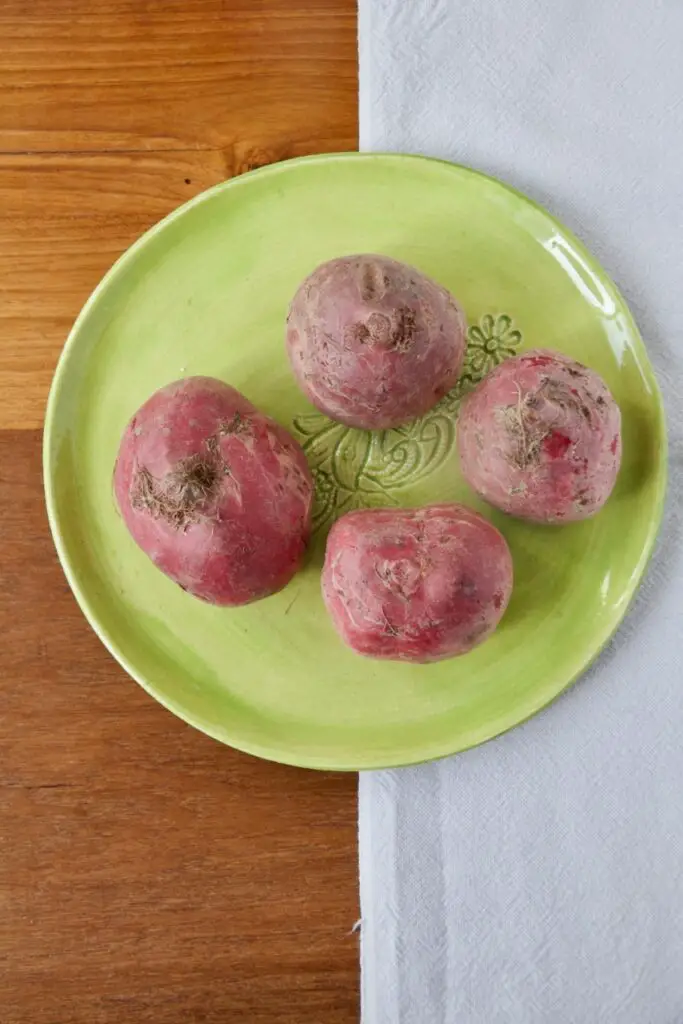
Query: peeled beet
[217,494]
[374,343]
[416,584]
[540,438]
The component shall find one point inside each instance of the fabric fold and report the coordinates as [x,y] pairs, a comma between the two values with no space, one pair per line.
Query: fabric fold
[539,878]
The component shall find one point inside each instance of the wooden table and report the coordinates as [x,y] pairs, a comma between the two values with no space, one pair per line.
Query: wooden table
[146,872]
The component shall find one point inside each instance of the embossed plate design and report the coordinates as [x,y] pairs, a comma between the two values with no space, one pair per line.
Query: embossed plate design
[206,291]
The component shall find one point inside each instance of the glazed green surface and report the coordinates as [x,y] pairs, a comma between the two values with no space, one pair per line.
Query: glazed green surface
[206,292]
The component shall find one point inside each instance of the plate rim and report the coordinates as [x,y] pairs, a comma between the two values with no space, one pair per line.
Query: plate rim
[314,760]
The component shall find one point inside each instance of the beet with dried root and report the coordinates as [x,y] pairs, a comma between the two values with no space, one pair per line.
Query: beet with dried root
[217,494]
[540,438]
[416,584]
[374,343]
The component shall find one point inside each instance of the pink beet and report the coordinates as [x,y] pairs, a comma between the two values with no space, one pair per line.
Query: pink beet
[416,584]
[217,494]
[540,438]
[374,343]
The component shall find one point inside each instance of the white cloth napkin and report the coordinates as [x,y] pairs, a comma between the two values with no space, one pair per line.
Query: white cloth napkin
[539,879]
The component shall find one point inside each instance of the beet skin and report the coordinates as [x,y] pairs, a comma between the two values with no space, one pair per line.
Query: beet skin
[217,494]
[540,438]
[416,584]
[374,343]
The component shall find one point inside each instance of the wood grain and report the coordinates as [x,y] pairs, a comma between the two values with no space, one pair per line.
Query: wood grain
[112,114]
[147,874]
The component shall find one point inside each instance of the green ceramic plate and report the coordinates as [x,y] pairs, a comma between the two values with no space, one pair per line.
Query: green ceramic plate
[206,292]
